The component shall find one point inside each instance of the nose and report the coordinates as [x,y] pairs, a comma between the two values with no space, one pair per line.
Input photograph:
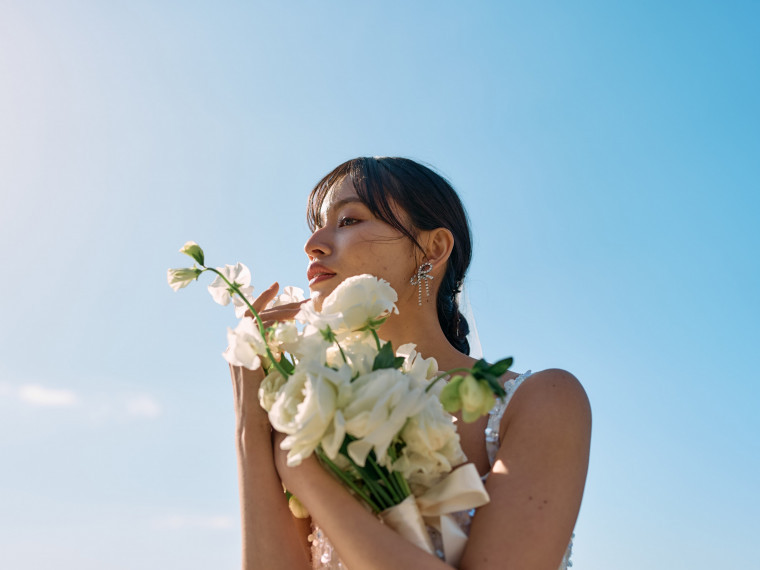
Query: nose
[318,244]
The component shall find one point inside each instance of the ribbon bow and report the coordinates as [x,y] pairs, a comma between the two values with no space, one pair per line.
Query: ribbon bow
[461,490]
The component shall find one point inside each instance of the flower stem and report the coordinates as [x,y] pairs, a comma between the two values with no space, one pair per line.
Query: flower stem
[444,374]
[343,354]
[377,338]
[236,290]
[347,480]
[383,476]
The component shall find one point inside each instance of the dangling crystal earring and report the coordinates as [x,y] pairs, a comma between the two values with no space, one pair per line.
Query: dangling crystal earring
[423,274]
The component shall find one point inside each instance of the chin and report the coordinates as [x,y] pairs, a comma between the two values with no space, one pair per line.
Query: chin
[317,298]
[321,291]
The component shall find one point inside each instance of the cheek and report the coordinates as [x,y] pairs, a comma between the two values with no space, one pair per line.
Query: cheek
[395,265]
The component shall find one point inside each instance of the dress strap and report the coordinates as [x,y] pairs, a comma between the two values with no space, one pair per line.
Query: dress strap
[497,412]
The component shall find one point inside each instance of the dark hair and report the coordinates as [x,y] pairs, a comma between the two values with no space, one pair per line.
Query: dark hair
[429,201]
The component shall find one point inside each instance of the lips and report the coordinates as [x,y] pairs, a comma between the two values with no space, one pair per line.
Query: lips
[318,272]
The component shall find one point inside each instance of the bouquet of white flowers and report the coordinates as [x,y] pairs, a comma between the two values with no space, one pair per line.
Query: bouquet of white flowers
[379,420]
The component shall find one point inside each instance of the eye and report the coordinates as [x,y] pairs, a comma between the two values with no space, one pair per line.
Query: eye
[347,221]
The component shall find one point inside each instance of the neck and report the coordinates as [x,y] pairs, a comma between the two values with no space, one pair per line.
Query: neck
[419,325]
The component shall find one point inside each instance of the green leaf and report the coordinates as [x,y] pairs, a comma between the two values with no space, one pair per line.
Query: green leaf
[386,358]
[328,334]
[287,365]
[501,366]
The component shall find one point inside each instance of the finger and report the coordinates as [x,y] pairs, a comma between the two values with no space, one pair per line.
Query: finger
[288,311]
[267,295]
[279,314]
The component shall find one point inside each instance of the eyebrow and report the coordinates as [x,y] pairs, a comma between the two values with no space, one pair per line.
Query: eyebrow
[340,203]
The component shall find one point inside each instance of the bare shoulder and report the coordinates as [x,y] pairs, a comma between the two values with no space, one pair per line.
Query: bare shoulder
[550,398]
[537,478]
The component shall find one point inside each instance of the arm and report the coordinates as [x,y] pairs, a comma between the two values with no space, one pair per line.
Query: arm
[272,537]
[536,483]
[545,446]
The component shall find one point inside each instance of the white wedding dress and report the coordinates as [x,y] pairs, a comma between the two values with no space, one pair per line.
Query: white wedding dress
[323,554]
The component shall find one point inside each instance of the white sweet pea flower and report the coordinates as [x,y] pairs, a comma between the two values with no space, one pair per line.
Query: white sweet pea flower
[421,369]
[359,349]
[238,274]
[283,337]
[289,295]
[309,348]
[361,301]
[240,305]
[245,345]
[381,403]
[179,278]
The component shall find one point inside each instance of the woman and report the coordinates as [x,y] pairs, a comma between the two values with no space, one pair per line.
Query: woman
[399,220]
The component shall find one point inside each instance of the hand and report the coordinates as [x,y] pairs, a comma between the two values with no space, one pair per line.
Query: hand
[245,382]
[293,477]
[285,312]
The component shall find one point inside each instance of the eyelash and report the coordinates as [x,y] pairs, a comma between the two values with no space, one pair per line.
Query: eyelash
[343,221]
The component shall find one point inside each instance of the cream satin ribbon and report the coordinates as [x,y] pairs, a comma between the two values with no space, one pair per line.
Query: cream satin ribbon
[461,490]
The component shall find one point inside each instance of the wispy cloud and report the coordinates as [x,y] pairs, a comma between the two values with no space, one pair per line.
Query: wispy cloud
[178,522]
[98,406]
[36,395]
[143,406]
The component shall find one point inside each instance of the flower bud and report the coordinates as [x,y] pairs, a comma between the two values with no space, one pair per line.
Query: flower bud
[449,397]
[297,508]
[193,250]
[477,398]
[179,278]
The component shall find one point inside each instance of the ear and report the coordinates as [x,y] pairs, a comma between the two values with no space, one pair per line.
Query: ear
[438,246]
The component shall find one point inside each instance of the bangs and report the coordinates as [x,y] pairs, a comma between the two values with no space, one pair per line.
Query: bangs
[376,187]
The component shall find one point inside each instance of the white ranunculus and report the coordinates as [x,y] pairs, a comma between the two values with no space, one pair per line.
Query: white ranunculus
[179,278]
[381,402]
[305,410]
[269,389]
[238,274]
[309,315]
[245,344]
[360,300]
[432,445]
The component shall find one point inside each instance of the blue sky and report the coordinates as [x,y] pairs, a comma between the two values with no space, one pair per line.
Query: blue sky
[607,154]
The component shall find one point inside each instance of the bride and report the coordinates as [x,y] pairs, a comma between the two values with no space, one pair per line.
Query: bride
[399,220]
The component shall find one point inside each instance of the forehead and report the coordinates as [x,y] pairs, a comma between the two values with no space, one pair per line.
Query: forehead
[340,193]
